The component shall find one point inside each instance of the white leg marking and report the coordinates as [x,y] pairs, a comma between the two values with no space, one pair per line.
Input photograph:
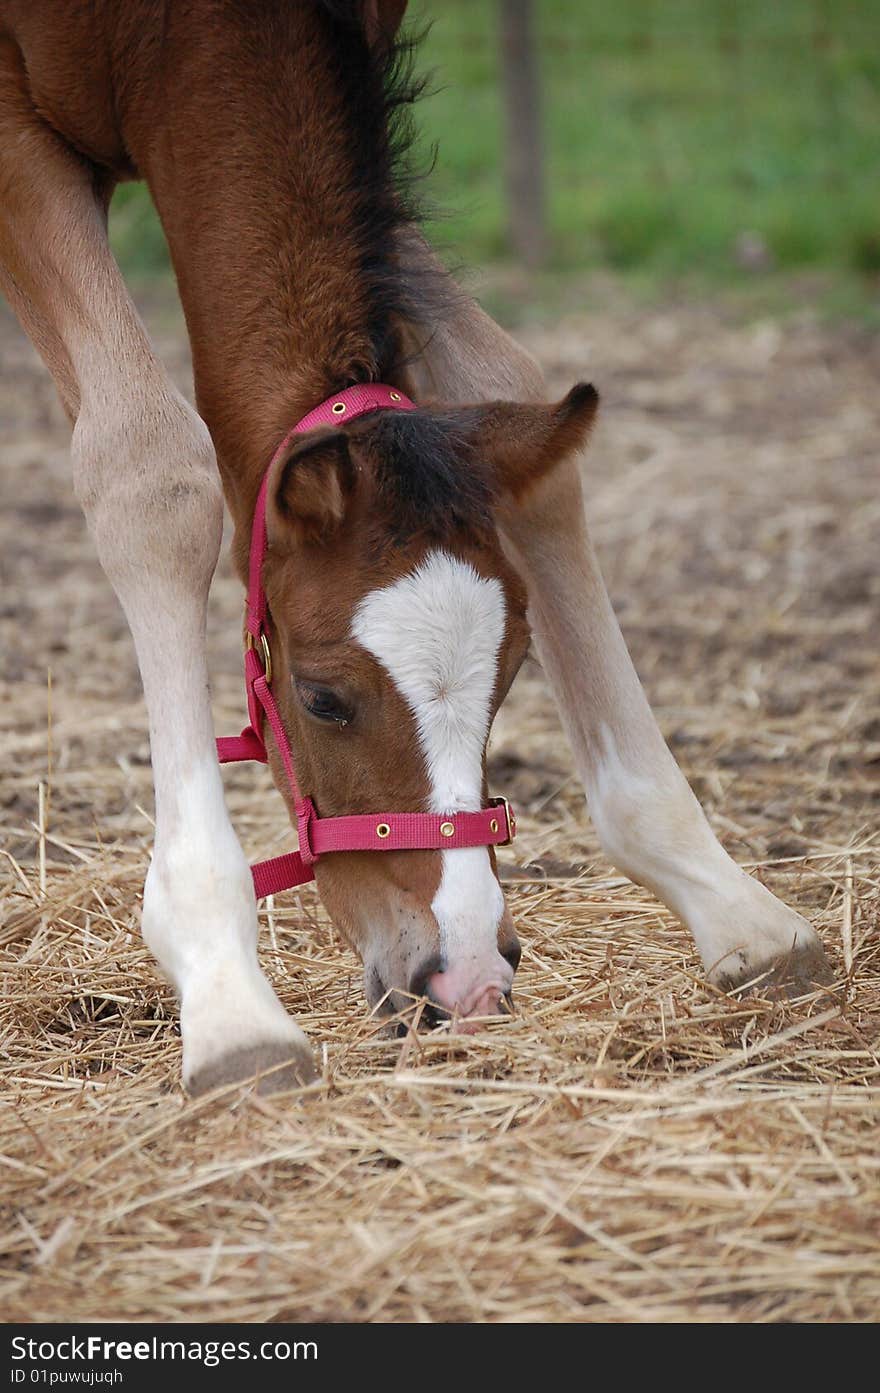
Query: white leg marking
[655,831]
[199,914]
[437,632]
[200,920]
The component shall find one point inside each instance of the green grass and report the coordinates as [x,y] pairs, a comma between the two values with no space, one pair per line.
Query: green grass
[673,129]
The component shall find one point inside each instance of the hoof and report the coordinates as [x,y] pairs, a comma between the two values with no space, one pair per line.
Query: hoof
[277,1066]
[792,974]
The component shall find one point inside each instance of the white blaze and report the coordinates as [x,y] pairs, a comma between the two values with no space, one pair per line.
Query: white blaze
[438,632]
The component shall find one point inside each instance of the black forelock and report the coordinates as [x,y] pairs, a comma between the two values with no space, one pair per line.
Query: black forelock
[428,476]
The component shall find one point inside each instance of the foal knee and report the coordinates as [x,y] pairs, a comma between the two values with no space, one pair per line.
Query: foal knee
[146,476]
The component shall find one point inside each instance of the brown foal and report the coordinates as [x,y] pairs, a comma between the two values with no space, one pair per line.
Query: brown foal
[410,555]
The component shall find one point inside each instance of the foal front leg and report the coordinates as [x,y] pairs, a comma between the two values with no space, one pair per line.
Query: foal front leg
[145,473]
[647,818]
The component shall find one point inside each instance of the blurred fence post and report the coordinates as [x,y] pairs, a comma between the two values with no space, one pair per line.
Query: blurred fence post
[524,152]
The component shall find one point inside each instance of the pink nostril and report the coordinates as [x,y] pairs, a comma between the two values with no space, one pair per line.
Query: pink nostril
[465,993]
[489,1004]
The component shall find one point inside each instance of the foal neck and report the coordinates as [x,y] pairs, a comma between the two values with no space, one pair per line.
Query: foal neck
[276,180]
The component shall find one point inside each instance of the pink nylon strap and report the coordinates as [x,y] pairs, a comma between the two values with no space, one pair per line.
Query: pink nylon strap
[492,826]
[319,836]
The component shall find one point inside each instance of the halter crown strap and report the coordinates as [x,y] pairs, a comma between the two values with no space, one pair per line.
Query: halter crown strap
[318,836]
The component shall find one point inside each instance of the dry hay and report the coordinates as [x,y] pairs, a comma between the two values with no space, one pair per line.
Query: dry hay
[632,1146]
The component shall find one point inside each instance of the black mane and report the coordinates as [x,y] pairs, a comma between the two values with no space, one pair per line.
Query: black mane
[428,480]
[380,87]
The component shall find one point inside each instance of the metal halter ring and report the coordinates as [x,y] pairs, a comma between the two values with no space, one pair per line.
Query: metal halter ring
[510,818]
[267,656]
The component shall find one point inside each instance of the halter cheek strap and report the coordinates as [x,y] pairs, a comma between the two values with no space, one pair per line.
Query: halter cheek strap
[494,825]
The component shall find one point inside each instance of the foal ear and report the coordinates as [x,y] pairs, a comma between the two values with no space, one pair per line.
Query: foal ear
[523,441]
[310,486]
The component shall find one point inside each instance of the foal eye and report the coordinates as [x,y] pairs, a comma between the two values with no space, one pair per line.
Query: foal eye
[323,703]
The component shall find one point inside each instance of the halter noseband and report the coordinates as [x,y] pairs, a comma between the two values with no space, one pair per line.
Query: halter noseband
[494,825]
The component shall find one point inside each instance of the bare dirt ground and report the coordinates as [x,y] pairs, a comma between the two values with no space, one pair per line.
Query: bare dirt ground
[632,1145]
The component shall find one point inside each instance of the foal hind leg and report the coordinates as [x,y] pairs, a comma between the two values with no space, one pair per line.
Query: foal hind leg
[145,473]
[648,820]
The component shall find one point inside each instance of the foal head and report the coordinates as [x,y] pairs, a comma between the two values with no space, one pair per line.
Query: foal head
[397,629]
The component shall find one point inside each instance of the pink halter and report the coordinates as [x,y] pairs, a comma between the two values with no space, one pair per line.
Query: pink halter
[318,836]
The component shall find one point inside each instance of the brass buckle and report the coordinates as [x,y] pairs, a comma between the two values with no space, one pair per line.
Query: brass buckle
[267,656]
[510,818]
